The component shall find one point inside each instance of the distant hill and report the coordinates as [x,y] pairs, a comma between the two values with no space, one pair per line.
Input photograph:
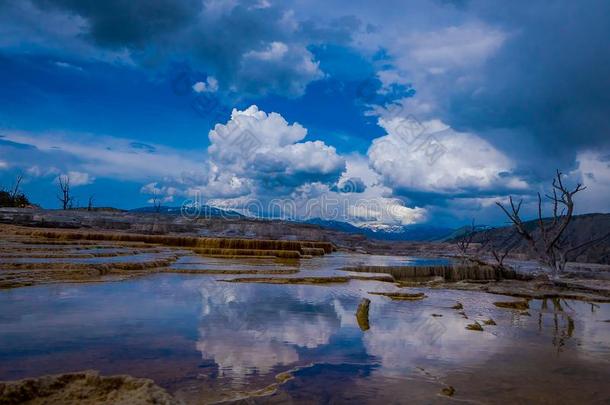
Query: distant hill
[400,233]
[203,212]
[425,233]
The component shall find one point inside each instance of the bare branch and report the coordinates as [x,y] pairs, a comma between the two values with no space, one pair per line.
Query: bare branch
[549,243]
[156,201]
[587,244]
[15,188]
[66,200]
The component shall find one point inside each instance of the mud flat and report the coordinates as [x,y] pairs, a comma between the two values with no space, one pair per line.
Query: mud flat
[31,256]
[497,281]
[247,245]
[580,290]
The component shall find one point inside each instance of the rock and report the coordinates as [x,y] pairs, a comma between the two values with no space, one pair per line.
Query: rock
[362,314]
[85,387]
[281,378]
[475,326]
[458,306]
[490,322]
[448,390]
[401,296]
[520,305]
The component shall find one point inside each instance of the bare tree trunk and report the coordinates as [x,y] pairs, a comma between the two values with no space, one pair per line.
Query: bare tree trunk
[64,186]
[463,242]
[156,201]
[15,189]
[500,249]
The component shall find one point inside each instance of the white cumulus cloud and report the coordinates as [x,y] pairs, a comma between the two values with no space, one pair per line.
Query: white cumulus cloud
[594,172]
[433,158]
[281,68]
[209,86]
[260,147]
[78,178]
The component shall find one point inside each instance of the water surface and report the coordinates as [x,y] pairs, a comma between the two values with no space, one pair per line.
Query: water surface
[207,340]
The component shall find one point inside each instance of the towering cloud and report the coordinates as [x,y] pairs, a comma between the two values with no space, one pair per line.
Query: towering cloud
[431,158]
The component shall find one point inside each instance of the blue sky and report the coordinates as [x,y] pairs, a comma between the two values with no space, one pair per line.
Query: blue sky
[383,115]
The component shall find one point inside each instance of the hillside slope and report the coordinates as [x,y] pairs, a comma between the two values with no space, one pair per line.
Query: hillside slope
[582,229]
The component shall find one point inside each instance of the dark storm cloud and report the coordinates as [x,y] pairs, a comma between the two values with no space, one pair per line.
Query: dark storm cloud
[351,185]
[546,92]
[339,31]
[231,42]
[125,23]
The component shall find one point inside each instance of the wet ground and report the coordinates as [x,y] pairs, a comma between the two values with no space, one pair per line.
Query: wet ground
[206,340]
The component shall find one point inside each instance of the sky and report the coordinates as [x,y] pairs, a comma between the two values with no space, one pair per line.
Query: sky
[382,114]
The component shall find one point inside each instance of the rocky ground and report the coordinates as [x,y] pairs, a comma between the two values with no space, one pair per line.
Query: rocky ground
[34,250]
[168,224]
[86,387]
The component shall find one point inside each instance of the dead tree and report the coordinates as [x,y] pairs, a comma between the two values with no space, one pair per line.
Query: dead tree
[548,243]
[65,198]
[499,247]
[15,188]
[463,242]
[156,201]
[572,252]
[13,197]
[90,203]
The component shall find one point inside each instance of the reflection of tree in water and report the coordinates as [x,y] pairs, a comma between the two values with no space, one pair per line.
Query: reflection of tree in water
[563,323]
[403,337]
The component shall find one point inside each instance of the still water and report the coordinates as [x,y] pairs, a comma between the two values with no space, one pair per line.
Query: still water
[206,340]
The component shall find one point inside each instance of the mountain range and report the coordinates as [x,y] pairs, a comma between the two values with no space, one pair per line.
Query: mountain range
[418,232]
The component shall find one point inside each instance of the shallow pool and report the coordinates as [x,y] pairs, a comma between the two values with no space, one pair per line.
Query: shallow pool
[206,340]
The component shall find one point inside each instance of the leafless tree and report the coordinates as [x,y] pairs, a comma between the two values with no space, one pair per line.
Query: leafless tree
[548,239]
[499,247]
[15,188]
[65,198]
[575,251]
[156,200]
[464,241]
[90,203]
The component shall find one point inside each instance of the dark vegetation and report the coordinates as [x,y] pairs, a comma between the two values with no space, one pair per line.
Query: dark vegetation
[9,200]
[13,197]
